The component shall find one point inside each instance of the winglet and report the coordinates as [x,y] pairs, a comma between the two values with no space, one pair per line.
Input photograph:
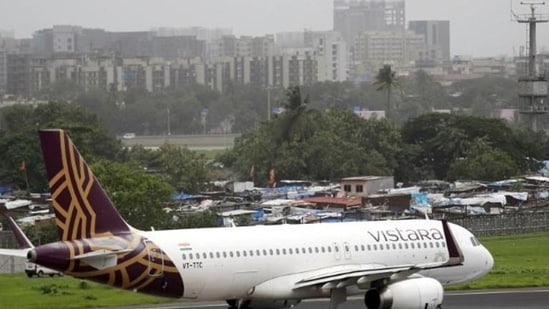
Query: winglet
[454,252]
[22,240]
[82,208]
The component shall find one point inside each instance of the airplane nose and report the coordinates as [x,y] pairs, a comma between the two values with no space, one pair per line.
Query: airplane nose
[489,263]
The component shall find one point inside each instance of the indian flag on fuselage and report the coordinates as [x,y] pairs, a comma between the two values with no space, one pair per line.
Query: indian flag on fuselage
[184,246]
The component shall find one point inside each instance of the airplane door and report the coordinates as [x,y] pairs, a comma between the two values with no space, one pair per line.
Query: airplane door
[156,259]
[337,252]
[346,250]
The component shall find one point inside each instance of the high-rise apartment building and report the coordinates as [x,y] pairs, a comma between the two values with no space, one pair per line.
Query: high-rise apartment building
[375,48]
[437,39]
[352,17]
[18,74]
[331,54]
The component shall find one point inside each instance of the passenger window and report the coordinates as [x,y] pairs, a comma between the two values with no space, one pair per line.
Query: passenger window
[412,246]
[218,255]
[277,251]
[380,247]
[290,251]
[224,254]
[322,250]
[362,247]
[356,248]
[251,252]
[204,255]
[400,246]
[183,256]
[190,256]
[283,251]
[316,249]
[369,248]
[244,253]
[394,246]
[375,247]
[231,254]
[265,252]
[211,255]
[336,249]
[257,252]
[329,249]
[271,252]
[406,245]
[388,247]
[310,250]
[431,244]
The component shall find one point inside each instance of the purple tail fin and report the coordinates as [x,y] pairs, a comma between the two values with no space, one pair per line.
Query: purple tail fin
[82,208]
[22,241]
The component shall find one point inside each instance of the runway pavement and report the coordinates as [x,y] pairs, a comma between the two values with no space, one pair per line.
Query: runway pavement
[486,299]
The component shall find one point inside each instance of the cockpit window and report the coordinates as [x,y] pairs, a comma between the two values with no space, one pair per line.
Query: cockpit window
[474,241]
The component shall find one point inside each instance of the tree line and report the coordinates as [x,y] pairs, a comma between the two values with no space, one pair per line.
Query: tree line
[196,109]
[316,136]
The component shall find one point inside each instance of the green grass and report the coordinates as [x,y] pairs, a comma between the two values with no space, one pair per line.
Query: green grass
[210,154]
[520,261]
[18,291]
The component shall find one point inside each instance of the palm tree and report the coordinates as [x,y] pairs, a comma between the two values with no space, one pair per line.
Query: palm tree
[385,80]
[296,121]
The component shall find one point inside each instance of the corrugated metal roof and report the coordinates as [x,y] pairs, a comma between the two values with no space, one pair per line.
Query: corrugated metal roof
[343,201]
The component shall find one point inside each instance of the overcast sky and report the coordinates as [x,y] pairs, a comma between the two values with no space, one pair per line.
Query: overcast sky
[478,27]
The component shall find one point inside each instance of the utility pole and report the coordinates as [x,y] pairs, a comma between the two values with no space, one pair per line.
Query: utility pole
[532,86]
[268,103]
[169,127]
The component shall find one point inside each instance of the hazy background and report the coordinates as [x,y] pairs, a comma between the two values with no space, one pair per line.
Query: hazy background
[478,27]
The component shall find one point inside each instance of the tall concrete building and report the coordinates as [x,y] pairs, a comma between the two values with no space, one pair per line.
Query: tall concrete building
[372,49]
[437,39]
[18,74]
[244,46]
[352,17]
[3,72]
[331,54]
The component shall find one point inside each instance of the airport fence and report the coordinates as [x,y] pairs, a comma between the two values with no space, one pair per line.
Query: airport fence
[505,224]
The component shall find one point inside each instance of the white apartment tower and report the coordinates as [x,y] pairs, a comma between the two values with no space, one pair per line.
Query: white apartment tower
[331,54]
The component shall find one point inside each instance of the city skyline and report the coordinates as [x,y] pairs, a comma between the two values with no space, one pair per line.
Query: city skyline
[478,28]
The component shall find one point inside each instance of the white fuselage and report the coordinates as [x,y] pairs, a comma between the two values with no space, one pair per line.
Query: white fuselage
[225,263]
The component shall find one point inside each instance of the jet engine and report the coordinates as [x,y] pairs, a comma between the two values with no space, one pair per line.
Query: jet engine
[415,293]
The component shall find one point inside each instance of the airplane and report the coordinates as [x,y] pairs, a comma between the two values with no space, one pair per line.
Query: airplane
[400,264]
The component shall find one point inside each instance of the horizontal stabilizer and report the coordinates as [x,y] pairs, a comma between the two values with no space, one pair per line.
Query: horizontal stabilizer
[101,259]
[14,252]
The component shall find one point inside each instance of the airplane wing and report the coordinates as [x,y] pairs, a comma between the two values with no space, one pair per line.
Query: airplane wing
[14,252]
[339,277]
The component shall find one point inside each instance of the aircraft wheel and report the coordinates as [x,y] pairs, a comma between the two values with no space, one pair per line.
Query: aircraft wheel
[233,303]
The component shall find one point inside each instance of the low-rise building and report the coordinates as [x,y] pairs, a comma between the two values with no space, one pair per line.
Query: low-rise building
[366,185]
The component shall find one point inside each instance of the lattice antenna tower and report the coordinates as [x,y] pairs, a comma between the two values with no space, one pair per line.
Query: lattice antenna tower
[532,86]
